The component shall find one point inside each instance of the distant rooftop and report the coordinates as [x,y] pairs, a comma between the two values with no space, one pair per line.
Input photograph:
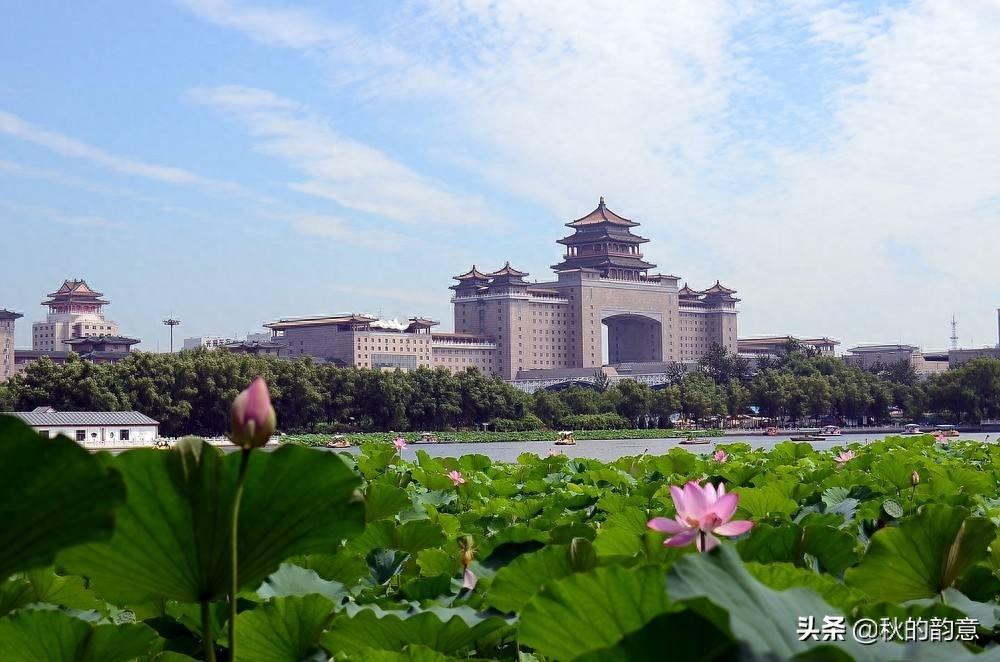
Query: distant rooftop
[861,349]
[48,417]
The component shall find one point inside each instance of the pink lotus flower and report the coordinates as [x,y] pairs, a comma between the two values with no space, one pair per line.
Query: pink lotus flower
[400,444]
[844,457]
[553,452]
[456,478]
[469,580]
[720,456]
[702,513]
[252,420]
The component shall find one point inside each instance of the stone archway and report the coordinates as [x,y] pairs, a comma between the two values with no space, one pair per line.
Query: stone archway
[633,337]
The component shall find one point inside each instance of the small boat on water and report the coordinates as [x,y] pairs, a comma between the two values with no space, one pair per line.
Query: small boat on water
[772,432]
[947,431]
[912,428]
[338,441]
[808,434]
[695,441]
[566,439]
[831,431]
[427,438]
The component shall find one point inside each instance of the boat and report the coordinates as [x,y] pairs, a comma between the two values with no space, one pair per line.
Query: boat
[772,432]
[427,438]
[947,431]
[912,428]
[566,439]
[831,431]
[695,441]
[338,441]
[807,437]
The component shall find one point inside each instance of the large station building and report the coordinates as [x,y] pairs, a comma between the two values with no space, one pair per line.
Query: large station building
[506,325]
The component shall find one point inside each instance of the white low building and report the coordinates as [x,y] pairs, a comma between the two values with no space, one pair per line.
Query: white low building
[94,429]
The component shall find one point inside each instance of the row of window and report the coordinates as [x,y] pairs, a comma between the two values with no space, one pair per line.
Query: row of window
[81,435]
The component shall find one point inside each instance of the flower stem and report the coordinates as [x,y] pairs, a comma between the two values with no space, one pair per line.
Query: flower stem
[702,534]
[206,632]
[233,556]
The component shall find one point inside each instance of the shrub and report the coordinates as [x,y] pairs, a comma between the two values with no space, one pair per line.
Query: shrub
[595,422]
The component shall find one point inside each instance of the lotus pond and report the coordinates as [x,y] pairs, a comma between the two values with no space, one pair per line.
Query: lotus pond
[369,556]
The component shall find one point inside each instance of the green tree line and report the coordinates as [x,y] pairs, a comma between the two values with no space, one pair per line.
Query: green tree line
[188,393]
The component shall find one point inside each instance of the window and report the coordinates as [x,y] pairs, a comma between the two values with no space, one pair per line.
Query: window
[81,435]
[123,434]
[44,434]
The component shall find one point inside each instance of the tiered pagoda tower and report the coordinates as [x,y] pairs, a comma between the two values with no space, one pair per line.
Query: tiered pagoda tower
[603,240]
[75,311]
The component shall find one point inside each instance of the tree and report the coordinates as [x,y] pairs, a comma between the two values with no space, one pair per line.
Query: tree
[737,397]
[666,402]
[701,397]
[635,401]
[580,400]
[549,407]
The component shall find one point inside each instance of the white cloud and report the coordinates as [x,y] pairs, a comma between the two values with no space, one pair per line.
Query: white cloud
[347,171]
[683,114]
[64,145]
[33,213]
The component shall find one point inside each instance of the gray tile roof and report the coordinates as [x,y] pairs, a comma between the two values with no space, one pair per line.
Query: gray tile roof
[83,418]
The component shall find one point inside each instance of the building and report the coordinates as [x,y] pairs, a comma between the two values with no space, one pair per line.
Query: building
[776,346]
[957,357]
[93,429]
[923,363]
[102,348]
[505,325]
[256,347]
[75,311]
[603,285]
[209,342]
[7,324]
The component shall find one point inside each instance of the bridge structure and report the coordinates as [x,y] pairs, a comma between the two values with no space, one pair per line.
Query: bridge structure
[654,380]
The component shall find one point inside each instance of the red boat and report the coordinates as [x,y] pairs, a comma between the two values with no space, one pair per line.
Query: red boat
[772,432]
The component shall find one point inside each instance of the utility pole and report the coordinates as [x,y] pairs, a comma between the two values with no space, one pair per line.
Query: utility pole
[171,322]
[954,333]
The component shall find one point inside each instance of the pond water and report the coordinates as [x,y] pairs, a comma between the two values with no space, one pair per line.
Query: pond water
[612,449]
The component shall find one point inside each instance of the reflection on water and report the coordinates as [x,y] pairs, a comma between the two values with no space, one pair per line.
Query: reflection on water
[508,451]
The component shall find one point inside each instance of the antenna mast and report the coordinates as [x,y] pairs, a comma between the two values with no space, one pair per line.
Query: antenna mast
[171,322]
[954,333]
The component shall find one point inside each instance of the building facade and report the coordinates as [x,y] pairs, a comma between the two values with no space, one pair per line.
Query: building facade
[75,311]
[775,346]
[603,286]
[93,429]
[8,319]
[208,342]
[923,363]
[505,325]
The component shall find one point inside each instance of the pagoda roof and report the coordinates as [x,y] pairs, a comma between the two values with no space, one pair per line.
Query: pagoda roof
[601,215]
[322,320]
[688,292]
[598,261]
[9,314]
[421,323]
[602,234]
[101,340]
[507,270]
[76,287]
[472,274]
[719,288]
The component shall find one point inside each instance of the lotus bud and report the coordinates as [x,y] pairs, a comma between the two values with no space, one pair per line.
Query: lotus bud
[914,478]
[252,420]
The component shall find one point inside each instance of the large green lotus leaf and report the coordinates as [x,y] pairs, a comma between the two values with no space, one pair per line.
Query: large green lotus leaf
[434,562]
[895,470]
[408,654]
[515,584]
[53,494]
[443,629]
[686,635]
[769,544]
[590,611]
[53,636]
[782,576]
[286,630]
[292,580]
[833,548]
[63,590]
[922,556]
[758,616]
[171,539]
[759,503]
[384,501]
[409,537]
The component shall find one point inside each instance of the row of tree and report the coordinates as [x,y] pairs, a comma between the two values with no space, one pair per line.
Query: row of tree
[189,393]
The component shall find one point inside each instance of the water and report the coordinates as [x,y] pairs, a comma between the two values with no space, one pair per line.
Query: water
[612,449]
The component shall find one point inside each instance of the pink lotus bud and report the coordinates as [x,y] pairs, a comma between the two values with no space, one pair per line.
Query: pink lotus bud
[252,420]
[914,478]
[720,456]
[456,478]
[400,444]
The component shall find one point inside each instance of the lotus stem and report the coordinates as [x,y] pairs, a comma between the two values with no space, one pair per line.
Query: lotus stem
[206,632]
[233,555]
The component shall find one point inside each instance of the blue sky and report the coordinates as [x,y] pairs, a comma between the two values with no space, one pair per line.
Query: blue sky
[233,162]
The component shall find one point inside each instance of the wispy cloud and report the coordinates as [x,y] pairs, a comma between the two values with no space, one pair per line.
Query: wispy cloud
[64,145]
[347,171]
[30,213]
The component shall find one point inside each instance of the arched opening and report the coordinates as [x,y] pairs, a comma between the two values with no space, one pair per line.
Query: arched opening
[633,338]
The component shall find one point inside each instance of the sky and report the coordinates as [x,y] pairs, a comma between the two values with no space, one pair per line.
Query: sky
[230,163]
